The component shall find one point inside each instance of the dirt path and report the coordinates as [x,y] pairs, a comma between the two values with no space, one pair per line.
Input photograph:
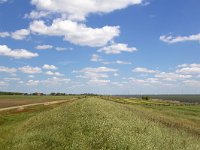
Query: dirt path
[35,104]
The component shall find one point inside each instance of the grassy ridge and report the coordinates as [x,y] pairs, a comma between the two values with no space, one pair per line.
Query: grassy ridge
[178,115]
[94,123]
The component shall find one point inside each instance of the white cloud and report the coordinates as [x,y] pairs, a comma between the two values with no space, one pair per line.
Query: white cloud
[95,75]
[79,10]
[98,82]
[188,65]
[30,70]
[16,53]
[98,70]
[3,83]
[20,34]
[7,70]
[31,76]
[144,70]
[55,81]
[76,33]
[61,49]
[189,69]
[44,47]
[49,67]
[170,39]
[3,1]
[172,76]
[117,48]
[33,82]
[147,82]
[115,74]
[4,34]
[95,58]
[123,62]
[36,14]
[192,83]
[11,79]
[120,62]
[54,73]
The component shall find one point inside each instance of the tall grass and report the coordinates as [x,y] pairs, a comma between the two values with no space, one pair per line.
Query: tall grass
[93,124]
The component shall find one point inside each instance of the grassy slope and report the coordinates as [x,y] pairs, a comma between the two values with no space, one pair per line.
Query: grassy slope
[98,124]
[178,115]
[10,120]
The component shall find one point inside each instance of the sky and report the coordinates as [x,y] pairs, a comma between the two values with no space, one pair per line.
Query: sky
[100,46]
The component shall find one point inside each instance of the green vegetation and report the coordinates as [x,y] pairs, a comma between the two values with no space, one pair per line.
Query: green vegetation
[181,98]
[99,122]
[145,98]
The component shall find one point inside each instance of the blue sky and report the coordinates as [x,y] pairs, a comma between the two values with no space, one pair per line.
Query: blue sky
[106,47]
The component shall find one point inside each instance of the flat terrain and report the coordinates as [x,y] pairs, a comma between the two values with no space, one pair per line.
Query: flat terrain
[17,100]
[181,98]
[93,123]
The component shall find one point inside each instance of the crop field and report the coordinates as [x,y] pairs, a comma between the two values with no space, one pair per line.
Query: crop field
[17,100]
[181,98]
[102,122]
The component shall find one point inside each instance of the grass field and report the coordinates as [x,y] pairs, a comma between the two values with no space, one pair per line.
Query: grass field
[93,123]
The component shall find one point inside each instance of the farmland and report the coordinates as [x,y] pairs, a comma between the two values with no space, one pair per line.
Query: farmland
[17,100]
[101,122]
[181,98]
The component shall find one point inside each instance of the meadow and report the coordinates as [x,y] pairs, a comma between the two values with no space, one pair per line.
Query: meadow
[102,122]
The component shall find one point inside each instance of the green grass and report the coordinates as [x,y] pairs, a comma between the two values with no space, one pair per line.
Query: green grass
[9,120]
[93,123]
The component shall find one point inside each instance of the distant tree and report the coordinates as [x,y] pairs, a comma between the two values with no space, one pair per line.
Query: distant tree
[145,97]
[52,94]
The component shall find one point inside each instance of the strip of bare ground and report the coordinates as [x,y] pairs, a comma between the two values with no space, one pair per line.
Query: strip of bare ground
[21,107]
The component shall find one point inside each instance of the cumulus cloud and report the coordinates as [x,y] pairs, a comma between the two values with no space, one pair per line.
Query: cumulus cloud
[36,14]
[192,83]
[120,62]
[3,1]
[97,70]
[55,81]
[16,53]
[61,48]
[189,69]
[146,82]
[95,75]
[144,70]
[170,39]
[54,73]
[7,70]
[49,67]
[79,10]
[96,58]
[98,82]
[4,34]
[76,33]
[32,82]
[44,47]
[172,76]
[20,34]
[30,70]
[117,48]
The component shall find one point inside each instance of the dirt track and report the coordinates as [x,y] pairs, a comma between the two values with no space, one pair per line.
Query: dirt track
[35,104]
